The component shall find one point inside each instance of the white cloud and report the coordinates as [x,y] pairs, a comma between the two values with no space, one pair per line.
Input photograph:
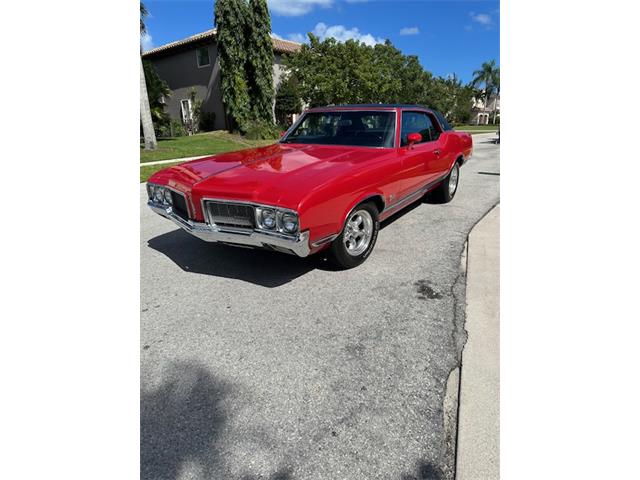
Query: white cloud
[409,31]
[297,37]
[147,42]
[482,18]
[342,34]
[295,8]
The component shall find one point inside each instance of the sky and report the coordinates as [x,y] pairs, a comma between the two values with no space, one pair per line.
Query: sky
[448,36]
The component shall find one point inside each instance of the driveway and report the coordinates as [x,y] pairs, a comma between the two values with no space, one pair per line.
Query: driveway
[258,365]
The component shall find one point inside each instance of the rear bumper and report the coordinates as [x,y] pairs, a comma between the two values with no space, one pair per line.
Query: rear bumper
[298,245]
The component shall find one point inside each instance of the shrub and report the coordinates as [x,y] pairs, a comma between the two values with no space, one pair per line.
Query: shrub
[207,121]
[172,129]
[259,130]
[178,129]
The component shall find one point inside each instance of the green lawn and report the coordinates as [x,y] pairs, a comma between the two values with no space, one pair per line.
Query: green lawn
[196,145]
[146,172]
[200,144]
[477,128]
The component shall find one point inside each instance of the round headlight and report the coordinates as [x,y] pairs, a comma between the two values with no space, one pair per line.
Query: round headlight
[158,195]
[269,218]
[289,223]
[167,196]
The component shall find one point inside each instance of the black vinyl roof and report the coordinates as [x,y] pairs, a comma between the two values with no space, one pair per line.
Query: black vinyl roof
[375,105]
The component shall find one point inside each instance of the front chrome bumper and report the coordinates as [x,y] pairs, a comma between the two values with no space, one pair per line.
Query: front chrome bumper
[298,245]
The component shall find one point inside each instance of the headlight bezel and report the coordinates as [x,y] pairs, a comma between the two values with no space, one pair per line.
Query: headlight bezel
[167,197]
[289,217]
[268,213]
[280,215]
[159,195]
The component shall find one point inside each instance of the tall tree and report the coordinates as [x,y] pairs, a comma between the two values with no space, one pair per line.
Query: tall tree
[497,87]
[230,18]
[330,72]
[143,13]
[157,89]
[488,77]
[260,61]
[150,142]
[288,99]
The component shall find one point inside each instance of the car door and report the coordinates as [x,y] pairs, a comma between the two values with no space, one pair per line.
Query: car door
[421,162]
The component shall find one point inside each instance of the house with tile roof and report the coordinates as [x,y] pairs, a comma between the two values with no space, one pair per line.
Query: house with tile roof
[192,64]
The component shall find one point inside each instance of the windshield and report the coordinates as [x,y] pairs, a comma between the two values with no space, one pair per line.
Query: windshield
[363,129]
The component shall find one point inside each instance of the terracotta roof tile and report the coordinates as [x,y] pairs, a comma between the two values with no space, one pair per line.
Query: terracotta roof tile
[285,46]
[279,45]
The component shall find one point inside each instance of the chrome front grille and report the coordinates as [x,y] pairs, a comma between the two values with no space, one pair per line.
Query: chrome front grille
[235,215]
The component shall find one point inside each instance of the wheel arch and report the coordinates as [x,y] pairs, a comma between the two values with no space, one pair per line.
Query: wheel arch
[376,198]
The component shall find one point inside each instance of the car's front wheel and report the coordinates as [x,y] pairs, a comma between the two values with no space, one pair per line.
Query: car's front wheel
[358,237]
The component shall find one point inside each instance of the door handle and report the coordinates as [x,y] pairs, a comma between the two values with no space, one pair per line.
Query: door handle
[436,151]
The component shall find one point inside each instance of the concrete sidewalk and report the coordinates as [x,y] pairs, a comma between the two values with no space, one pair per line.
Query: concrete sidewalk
[174,160]
[478,443]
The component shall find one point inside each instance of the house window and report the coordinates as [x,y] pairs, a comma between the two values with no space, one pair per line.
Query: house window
[202,55]
[185,110]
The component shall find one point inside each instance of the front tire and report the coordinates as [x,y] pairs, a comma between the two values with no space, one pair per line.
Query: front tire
[445,192]
[357,239]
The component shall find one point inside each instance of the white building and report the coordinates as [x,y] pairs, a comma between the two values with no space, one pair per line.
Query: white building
[482,114]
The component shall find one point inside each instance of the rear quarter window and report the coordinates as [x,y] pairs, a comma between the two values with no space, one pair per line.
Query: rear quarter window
[443,121]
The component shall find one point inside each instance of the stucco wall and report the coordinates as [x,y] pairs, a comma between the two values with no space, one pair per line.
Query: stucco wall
[278,70]
[182,74]
[180,71]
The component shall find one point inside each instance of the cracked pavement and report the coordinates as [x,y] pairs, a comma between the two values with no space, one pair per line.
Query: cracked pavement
[259,365]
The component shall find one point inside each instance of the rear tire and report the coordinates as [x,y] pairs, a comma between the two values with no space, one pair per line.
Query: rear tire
[357,238]
[445,192]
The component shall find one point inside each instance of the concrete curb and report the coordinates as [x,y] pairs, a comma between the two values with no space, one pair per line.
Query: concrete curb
[175,160]
[478,436]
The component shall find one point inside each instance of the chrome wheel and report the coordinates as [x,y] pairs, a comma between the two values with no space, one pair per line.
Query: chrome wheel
[358,232]
[453,180]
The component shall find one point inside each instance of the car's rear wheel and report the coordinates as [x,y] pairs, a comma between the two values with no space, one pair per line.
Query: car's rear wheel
[445,192]
[358,237]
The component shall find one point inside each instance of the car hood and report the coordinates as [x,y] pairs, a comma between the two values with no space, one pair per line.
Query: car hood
[278,174]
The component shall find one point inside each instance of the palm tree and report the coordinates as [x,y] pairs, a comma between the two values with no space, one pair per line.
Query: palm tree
[150,142]
[143,13]
[489,76]
[497,89]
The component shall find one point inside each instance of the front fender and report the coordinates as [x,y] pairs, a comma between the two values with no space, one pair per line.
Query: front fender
[325,219]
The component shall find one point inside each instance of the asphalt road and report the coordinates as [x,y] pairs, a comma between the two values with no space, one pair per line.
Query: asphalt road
[258,365]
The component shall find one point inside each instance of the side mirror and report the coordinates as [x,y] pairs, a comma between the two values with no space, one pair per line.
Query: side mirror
[282,133]
[414,138]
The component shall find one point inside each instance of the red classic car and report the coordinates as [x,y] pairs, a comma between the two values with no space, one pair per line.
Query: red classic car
[327,184]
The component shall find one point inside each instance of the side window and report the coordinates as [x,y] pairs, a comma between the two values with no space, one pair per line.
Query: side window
[418,122]
[443,121]
[202,55]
